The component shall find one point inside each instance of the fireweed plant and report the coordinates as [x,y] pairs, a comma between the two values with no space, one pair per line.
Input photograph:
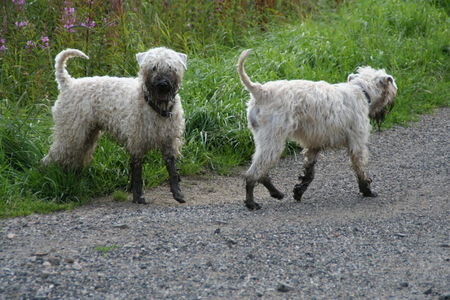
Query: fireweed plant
[291,39]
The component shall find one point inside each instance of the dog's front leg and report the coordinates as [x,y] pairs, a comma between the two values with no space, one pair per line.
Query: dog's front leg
[136,180]
[174,178]
[358,164]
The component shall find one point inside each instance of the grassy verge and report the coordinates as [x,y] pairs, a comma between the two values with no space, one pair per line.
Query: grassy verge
[410,39]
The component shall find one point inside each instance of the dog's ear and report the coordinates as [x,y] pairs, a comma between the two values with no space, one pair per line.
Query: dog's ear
[391,80]
[351,77]
[140,57]
[388,79]
[183,59]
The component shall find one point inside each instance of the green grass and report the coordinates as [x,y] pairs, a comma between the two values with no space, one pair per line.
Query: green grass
[410,39]
[105,249]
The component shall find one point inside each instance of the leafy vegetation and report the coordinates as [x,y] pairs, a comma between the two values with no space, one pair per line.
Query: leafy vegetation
[315,40]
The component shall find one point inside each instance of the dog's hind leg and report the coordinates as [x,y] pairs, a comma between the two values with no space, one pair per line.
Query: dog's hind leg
[274,192]
[269,146]
[89,145]
[309,162]
[358,159]
[72,147]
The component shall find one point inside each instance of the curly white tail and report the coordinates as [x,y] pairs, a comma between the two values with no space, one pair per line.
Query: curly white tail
[63,78]
[252,87]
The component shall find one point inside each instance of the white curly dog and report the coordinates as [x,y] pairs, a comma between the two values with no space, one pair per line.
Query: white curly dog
[140,113]
[317,115]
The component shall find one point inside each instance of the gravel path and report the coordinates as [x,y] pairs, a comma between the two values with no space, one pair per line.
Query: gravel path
[334,244]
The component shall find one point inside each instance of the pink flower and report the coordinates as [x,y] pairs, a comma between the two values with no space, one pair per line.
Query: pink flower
[3,45]
[19,2]
[69,17]
[30,44]
[69,11]
[45,42]
[88,23]
[21,24]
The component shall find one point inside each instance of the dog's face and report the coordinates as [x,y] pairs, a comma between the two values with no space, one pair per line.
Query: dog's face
[162,71]
[381,88]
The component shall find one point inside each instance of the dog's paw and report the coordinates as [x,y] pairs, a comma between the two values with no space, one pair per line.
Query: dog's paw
[277,195]
[298,192]
[252,205]
[179,197]
[139,200]
[370,194]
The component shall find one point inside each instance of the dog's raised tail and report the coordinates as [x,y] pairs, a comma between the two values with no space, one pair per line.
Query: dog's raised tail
[62,76]
[252,87]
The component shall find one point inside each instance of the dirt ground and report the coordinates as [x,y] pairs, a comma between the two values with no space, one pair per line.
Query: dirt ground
[334,244]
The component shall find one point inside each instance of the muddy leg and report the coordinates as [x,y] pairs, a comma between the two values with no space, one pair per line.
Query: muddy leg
[307,178]
[174,179]
[266,156]
[274,192]
[358,164]
[136,180]
[249,200]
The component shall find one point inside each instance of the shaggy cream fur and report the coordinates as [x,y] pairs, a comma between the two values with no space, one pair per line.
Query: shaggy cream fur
[88,106]
[317,115]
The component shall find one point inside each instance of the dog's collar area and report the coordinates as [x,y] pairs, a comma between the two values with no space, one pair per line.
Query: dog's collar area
[162,112]
[367,95]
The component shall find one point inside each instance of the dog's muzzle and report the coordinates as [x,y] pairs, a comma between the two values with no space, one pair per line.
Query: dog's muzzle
[160,95]
[163,87]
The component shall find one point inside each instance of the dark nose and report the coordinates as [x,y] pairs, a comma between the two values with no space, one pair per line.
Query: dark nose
[163,86]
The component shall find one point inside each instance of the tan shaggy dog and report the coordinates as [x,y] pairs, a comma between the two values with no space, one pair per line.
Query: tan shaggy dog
[140,113]
[316,115]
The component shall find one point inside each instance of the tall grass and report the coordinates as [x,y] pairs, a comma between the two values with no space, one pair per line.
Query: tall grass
[292,39]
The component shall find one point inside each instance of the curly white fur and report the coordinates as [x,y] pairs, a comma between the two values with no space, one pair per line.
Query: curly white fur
[317,115]
[87,106]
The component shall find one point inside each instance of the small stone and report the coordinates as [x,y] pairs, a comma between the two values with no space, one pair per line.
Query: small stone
[231,242]
[54,261]
[444,245]
[283,288]
[121,226]
[69,260]
[217,231]
[10,235]
[445,296]
[400,234]
[404,284]
[46,264]
[76,266]
[220,222]
[40,254]
[428,292]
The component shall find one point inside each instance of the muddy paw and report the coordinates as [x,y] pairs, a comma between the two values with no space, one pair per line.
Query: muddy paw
[277,195]
[370,194]
[180,198]
[298,192]
[139,200]
[252,205]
